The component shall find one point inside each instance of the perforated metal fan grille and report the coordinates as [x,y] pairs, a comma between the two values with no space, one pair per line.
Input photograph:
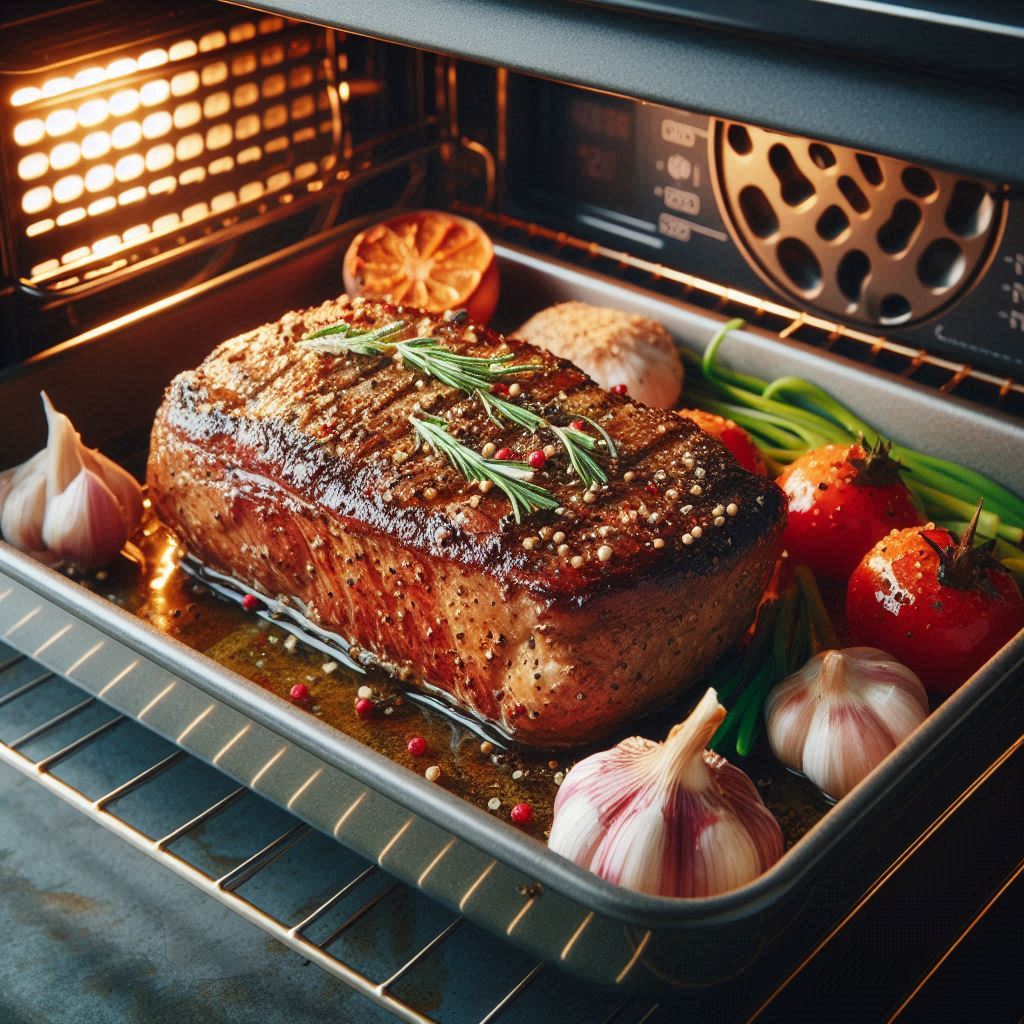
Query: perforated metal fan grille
[870,239]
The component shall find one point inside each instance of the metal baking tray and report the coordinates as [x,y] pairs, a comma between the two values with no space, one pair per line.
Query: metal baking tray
[110,382]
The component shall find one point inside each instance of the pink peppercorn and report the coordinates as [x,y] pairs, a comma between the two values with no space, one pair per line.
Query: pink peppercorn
[577,425]
[498,388]
[417,746]
[537,459]
[250,603]
[364,707]
[521,814]
[503,454]
[619,389]
[299,693]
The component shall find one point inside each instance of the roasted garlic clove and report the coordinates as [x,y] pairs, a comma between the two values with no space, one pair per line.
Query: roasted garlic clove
[842,714]
[672,818]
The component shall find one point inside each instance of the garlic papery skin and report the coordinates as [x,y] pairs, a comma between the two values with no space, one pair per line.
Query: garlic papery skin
[842,714]
[24,504]
[84,524]
[68,502]
[613,347]
[670,819]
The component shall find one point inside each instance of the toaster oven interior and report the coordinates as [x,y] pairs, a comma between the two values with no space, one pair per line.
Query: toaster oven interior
[145,155]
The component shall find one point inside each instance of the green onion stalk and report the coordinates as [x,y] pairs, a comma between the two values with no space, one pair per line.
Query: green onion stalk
[789,628]
[789,416]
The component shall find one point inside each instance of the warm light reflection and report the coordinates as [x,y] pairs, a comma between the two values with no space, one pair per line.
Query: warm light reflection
[55,86]
[27,133]
[152,59]
[89,76]
[71,217]
[124,102]
[27,94]
[39,228]
[95,145]
[68,188]
[99,178]
[103,205]
[32,166]
[126,134]
[64,155]
[129,167]
[60,122]
[35,200]
[92,112]
[156,125]
[122,66]
[165,567]
[156,92]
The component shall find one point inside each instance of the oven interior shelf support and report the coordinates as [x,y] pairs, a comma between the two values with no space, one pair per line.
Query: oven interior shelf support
[73,724]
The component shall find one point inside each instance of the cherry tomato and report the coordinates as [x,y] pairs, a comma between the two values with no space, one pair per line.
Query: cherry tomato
[734,437]
[842,500]
[940,606]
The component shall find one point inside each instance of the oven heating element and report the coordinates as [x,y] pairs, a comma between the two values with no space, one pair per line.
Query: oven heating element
[166,139]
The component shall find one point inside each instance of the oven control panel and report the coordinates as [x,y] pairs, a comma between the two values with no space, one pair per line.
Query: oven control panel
[926,256]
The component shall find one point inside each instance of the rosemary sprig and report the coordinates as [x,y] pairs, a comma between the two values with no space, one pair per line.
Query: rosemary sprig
[428,355]
[472,375]
[578,446]
[512,478]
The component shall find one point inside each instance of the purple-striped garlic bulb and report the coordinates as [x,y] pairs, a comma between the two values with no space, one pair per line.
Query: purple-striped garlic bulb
[671,819]
[68,503]
[842,714]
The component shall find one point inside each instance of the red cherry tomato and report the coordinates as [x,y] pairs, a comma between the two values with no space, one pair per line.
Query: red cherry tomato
[734,437]
[941,614]
[842,500]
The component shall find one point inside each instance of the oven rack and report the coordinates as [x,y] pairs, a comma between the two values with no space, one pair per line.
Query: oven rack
[908,362]
[85,724]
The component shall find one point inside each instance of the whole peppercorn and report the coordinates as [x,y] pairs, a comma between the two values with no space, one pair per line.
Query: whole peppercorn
[619,389]
[299,693]
[364,707]
[503,454]
[578,425]
[250,602]
[417,746]
[521,814]
[537,459]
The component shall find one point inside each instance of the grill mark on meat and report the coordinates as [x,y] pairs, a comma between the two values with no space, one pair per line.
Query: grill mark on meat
[242,469]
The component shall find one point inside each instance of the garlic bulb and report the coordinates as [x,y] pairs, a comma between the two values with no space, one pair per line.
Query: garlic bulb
[672,818]
[841,714]
[616,349]
[68,502]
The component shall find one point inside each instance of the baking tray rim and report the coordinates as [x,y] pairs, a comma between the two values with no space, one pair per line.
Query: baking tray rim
[456,815]
[480,829]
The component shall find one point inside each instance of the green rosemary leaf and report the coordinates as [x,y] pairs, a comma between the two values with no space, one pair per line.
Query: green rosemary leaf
[578,447]
[342,338]
[496,407]
[612,451]
[511,478]
[465,373]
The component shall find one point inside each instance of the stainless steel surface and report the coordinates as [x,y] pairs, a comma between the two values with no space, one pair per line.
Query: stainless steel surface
[431,839]
[318,932]
[869,238]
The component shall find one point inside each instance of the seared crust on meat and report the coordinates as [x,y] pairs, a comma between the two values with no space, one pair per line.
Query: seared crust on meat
[299,473]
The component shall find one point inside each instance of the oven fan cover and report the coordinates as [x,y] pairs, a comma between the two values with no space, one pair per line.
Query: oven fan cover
[869,239]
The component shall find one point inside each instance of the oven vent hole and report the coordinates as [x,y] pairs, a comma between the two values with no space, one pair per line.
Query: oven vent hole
[970,209]
[851,274]
[800,265]
[832,223]
[821,156]
[854,194]
[871,169]
[894,309]
[795,187]
[758,212]
[896,233]
[941,265]
[739,139]
[918,182]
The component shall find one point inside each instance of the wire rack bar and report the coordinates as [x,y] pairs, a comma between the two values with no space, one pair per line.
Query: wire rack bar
[223,888]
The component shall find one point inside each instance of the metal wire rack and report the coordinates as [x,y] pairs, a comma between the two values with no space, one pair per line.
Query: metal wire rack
[919,365]
[48,725]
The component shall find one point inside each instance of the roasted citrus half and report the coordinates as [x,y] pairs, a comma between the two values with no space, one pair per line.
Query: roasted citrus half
[428,259]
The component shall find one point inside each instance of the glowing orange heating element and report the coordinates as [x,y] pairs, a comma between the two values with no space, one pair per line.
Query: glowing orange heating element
[432,260]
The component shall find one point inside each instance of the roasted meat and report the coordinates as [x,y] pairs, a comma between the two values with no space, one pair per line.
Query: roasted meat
[299,474]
